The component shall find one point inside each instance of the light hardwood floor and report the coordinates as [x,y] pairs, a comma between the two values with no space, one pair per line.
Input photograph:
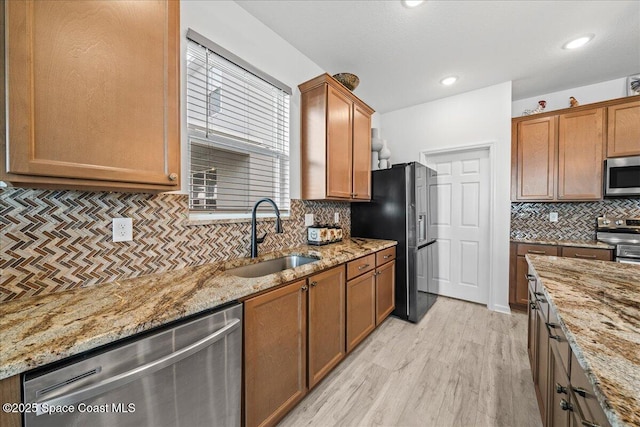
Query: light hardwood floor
[462,365]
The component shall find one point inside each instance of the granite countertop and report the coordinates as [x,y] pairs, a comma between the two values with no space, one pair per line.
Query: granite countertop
[41,330]
[598,305]
[573,243]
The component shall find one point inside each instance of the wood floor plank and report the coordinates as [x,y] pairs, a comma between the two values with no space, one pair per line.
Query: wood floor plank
[462,365]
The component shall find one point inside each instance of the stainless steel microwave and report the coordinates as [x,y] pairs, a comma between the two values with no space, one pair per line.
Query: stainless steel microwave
[622,177]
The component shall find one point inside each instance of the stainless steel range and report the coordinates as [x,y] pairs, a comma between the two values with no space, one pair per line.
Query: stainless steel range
[624,233]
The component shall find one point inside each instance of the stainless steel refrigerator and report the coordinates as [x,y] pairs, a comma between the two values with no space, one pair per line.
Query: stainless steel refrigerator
[402,204]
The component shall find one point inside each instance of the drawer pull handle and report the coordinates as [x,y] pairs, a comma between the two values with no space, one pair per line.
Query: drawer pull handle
[582,392]
[537,252]
[586,423]
[363,266]
[530,277]
[552,325]
[555,337]
[540,294]
[585,256]
[566,406]
[560,389]
[532,306]
[386,256]
[313,283]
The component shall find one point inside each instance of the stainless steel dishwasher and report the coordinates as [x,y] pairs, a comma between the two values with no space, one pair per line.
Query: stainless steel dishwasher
[186,375]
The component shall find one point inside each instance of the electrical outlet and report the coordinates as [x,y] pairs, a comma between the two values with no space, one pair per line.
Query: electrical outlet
[553,216]
[336,218]
[122,229]
[308,219]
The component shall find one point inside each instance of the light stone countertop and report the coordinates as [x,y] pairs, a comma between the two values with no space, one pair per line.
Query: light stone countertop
[594,244]
[598,306]
[40,330]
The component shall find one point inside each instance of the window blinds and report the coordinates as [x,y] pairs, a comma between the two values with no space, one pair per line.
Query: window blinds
[238,126]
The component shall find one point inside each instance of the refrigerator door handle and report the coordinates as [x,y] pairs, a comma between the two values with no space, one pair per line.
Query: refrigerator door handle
[424,245]
[422,228]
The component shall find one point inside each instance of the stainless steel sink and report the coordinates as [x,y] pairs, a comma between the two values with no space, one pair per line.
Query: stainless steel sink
[271,266]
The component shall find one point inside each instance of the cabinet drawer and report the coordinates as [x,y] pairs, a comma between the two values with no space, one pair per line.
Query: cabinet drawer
[559,343]
[524,249]
[587,405]
[385,255]
[588,253]
[360,266]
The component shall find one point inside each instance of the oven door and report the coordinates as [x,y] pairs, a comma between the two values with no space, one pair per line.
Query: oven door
[628,254]
[622,177]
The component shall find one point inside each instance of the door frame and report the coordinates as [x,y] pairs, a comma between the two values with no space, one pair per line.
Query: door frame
[484,145]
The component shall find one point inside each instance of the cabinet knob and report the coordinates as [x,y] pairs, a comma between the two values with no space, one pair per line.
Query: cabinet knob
[560,389]
[530,277]
[314,283]
[173,176]
[532,306]
[565,406]
[304,287]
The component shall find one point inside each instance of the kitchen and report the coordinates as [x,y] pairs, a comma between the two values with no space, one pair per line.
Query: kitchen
[60,240]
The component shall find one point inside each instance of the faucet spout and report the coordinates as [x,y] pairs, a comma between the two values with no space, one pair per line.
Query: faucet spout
[254,238]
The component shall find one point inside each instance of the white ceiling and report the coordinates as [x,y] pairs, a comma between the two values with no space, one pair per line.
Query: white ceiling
[401,54]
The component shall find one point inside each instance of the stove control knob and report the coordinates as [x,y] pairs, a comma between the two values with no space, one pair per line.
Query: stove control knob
[619,222]
[606,222]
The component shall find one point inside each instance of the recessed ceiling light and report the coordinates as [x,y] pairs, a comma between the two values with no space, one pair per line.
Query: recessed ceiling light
[579,42]
[448,81]
[412,3]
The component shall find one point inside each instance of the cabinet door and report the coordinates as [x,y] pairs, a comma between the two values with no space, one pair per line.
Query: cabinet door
[536,158]
[361,308]
[326,322]
[339,144]
[361,153]
[385,291]
[532,338]
[522,284]
[559,400]
[623,130]
[93,92]
[542,363]
[580,155]
[275,358]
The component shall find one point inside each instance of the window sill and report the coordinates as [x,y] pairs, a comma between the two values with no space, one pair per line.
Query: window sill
[201,219]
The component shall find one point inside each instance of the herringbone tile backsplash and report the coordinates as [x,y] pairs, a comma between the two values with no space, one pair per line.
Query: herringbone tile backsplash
[576,221]
[51,241]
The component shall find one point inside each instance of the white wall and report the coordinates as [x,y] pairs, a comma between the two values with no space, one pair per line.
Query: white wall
[233,28]
[483,115]
[603,91]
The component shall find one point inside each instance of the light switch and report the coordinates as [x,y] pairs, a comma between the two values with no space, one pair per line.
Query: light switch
[553,216]
[336,218]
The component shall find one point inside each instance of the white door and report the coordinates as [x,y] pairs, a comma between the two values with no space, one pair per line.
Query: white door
[459,216]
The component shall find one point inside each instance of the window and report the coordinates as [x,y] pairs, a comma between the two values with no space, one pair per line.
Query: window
[238,131]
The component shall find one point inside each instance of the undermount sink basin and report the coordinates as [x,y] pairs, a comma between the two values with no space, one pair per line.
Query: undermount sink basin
[271,266]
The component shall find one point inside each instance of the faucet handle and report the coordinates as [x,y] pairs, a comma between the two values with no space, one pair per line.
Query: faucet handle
[278,225]
[261,238]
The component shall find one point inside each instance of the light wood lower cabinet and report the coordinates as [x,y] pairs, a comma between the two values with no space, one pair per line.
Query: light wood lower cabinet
[361,308]
[275,353]
[385,291]
[326,322]
[10,393]
[565,395]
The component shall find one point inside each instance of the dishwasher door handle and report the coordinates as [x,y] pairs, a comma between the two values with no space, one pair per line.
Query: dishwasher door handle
[116,381]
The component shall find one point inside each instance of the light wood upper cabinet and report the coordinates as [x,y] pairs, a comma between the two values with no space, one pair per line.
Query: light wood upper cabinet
[361,153]
[93,94]
[336,142]
[580,155]
[623,137]
[535,145]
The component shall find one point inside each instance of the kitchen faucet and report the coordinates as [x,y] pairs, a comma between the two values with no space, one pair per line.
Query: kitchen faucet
[254,238]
